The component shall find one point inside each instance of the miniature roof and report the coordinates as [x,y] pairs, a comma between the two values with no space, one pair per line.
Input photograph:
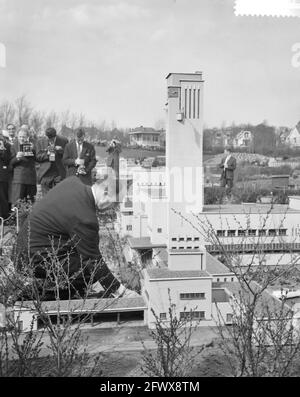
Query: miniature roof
[219,295]
[165,273]
[266,305]
[143,243]
[215,267]
[93,305]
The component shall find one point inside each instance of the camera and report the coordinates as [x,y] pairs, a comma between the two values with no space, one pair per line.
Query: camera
[26,149]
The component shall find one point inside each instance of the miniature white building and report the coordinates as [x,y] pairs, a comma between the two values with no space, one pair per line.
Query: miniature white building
[167,205]
[243,140]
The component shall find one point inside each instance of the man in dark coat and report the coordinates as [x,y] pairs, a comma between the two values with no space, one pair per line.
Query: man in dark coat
[23,166]
[11,129]
[5,156]
[80,158]
[65,222]
[50,150]
[228,165]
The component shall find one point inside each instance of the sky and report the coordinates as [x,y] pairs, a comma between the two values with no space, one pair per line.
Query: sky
[109,58]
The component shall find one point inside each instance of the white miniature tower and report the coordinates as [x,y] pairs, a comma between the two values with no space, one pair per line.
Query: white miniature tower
[184,165]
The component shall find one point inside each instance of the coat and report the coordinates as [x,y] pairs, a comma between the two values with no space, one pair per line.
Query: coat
[88,154]
[66,217]
[5,157]
[23,169]
[228,173]
[43,158]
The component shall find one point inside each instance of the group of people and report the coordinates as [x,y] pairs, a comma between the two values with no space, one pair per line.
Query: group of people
[26,161]
[64,223]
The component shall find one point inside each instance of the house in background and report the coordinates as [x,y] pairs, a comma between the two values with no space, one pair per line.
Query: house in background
[243,140]
[293,138]
[145,136]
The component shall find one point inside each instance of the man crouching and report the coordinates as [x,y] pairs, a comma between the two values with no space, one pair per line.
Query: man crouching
[62,233]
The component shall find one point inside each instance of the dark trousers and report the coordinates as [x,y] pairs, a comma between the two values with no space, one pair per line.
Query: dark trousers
[79,275]
[21,191]
[227,183]
[4,209]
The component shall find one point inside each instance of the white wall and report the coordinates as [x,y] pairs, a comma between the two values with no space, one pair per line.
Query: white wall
[25,317]
[159,298]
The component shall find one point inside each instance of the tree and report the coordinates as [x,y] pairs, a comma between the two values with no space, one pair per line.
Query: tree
[7,113]
[52,120]
[264,339]
[23,110]
[37,121]
[173,355]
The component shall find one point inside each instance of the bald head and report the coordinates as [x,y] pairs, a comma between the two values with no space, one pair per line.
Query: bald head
[104,192]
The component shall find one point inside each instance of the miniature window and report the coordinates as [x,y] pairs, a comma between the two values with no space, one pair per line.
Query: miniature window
[129,228]
[231,233]
[159,230]
[262,232]
[241,233]
[192,315]
[282,232]
[220,233]
[192,295]
[163,316]
[229,318]
[196,238]
[252,232]
[272,232]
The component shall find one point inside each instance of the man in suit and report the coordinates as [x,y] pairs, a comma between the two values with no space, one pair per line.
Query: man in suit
[80,158]
[11,129]
[228,165]
[23,166]
[64,225]
[5,156]
[50,150]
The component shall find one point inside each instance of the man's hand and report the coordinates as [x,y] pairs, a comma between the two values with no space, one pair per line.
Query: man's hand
[20,155]
[79,162]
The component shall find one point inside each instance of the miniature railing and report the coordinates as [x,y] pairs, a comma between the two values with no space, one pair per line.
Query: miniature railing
[244,248]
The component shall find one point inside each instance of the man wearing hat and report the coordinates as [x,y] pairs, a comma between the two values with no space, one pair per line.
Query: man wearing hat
[228,165]
[49,154]
[80,157]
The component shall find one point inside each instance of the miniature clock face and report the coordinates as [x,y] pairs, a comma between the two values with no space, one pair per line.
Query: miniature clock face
[173,92]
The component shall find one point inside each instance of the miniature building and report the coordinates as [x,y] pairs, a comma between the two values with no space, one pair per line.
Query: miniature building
[145,136]
[178,258]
